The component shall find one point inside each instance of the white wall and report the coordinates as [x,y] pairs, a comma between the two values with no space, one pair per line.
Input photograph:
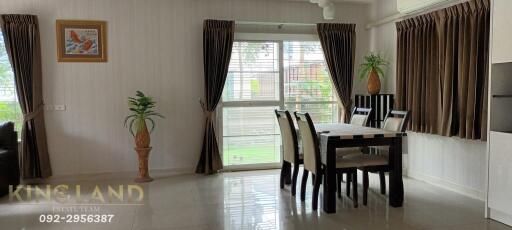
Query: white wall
[154,46]
[383,40]
[450,162]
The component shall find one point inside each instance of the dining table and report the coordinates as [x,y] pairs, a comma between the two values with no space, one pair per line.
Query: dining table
[339,135]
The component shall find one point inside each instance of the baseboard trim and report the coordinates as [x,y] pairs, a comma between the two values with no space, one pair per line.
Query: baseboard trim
[463,190]
[500,216]
[155,173]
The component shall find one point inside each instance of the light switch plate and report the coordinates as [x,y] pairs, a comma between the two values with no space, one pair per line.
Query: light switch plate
[60,107]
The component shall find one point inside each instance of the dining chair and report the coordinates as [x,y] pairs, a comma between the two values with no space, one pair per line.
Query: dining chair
[312,160]
[396,121]
[359,116]
[290,149]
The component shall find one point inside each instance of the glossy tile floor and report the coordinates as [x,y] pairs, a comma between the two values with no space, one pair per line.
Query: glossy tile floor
[253,200]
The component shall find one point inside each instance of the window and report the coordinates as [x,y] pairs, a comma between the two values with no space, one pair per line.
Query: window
[9,106]
[268,75]
[307,84]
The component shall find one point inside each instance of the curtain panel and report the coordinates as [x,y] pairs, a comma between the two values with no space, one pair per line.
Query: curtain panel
[417,72]
[464,61]
[218,37]
[21,36]
[339,43]
[442,70]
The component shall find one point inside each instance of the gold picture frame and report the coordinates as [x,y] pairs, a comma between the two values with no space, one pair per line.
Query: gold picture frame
[81,41]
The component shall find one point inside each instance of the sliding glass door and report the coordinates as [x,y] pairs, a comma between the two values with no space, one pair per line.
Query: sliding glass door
[251,93]
[264,76]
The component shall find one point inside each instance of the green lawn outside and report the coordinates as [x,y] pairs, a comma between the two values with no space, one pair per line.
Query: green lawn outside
[251,155]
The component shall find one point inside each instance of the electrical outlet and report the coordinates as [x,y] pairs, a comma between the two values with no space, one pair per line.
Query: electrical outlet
[60,107]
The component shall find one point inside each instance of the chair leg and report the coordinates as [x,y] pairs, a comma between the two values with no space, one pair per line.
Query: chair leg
[365,187]
[340,178]
[354,188]
[349,179]
[294,178]
[318,181]
[382,179]
[283,174]
[303,185]
[288,173]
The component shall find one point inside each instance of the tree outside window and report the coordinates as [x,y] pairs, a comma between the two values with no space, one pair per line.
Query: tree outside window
[9,106]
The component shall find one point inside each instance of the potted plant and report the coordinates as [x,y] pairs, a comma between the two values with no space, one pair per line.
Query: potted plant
[141,108]
[373,68]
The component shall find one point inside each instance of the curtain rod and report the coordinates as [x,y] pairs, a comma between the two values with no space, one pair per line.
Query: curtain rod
[273,23]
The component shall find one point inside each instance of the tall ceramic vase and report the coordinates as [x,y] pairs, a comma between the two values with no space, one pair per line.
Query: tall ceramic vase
[373,82]
[142,141]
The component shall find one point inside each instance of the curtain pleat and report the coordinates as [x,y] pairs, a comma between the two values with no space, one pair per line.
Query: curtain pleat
[417,76]
[338,43]
[21,36]
[218,37]
[442,70]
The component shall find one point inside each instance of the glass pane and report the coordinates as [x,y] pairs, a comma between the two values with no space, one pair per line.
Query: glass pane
[253,72]
[250,136]
[306,77]
[320,113]
[9,106]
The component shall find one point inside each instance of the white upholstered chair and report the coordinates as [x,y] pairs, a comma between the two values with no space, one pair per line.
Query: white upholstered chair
[312,161]
[395,121]
[359,116]
[290,149]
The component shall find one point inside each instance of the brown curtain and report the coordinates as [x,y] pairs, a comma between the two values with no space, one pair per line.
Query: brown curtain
[464,56]
[417,72]
[442,70]
[339,43]
[218,37]
[21,36]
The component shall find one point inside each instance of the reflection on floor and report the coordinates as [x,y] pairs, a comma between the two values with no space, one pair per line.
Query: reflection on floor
[253,200]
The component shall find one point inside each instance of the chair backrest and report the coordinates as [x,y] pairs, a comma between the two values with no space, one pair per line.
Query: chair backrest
[360,116]
[288,136]
[310,142]
[396,120]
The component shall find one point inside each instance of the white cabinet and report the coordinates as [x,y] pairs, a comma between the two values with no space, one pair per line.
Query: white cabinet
[499,193]
[501,31]
[500,176]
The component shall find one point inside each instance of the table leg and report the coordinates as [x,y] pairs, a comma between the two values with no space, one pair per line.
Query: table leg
[396,184]
[329,202]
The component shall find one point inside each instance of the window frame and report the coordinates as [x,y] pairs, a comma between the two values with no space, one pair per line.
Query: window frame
[279,39]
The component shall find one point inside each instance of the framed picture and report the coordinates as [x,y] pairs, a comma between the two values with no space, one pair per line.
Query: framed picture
[81,41]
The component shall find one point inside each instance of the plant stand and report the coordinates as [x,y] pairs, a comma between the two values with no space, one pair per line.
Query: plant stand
[143,165]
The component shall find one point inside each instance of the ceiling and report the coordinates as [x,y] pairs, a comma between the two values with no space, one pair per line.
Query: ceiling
[336,1]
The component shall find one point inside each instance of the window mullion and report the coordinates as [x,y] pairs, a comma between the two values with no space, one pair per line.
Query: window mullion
[281,75]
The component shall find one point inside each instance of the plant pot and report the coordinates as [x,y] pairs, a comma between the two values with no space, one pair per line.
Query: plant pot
[143,154]
[142,138]
[142,141]
[373,82]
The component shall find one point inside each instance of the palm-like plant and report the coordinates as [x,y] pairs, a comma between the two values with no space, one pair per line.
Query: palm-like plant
[372,62]
[141,107]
